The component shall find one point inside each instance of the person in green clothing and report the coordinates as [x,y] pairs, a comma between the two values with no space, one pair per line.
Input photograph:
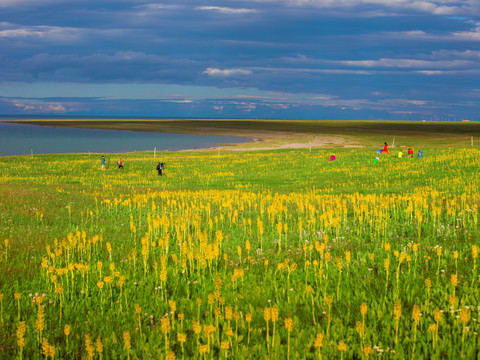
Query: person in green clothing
[374,161]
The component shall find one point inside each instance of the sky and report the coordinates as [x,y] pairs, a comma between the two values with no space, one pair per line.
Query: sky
[282,59]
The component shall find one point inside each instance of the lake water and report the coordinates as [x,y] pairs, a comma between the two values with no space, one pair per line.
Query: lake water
[23,139]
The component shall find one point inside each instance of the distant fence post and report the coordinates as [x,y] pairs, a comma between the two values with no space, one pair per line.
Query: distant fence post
[393,144]
[472,141]
[154,152]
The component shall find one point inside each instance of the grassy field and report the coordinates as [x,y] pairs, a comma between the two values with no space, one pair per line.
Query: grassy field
[254,254]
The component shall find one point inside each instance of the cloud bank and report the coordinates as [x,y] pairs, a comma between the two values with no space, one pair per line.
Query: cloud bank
[389,59]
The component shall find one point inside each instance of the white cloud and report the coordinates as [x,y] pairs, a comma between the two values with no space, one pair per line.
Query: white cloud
[226,10]
[40,32]
[160,7]
[30,106]
[436,7]
[404,102]
[22,106]
[154,9]
[408,63]
[416,102]
[246,107]
[465,54]
[278,106]
[226,72]
[404,112]
[388,104]
[184,101]
[419,34]
[431,72]
[57,34]
[473,35]
[56,108]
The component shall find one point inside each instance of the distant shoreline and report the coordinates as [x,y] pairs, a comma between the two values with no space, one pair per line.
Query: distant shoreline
[285,134]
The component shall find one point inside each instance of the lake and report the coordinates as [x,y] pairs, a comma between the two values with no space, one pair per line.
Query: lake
[23,139]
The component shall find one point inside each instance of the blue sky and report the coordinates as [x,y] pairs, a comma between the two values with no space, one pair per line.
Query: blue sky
[293,59]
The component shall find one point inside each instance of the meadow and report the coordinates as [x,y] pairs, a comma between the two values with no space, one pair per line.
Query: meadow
[276,254]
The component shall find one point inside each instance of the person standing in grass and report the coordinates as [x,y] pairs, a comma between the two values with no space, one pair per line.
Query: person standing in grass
[385,148]
[160,168]
[103,162]
[120,163]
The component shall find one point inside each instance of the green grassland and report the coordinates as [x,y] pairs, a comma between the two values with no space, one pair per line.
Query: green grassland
[245,254]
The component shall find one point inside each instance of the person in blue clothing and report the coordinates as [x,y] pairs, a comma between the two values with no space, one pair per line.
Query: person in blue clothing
[160,168]
[103,162]
[420,154]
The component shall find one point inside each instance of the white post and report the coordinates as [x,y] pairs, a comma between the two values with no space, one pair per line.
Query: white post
[310,145]
[393,144]
[154,152]
[472,141]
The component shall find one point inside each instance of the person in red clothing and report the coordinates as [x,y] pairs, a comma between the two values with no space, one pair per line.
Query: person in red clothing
[410,152]
[385,149]
[120,163]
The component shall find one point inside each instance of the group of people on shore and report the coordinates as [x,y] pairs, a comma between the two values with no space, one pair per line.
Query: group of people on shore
[399,154]
[103,161]
[159,167]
